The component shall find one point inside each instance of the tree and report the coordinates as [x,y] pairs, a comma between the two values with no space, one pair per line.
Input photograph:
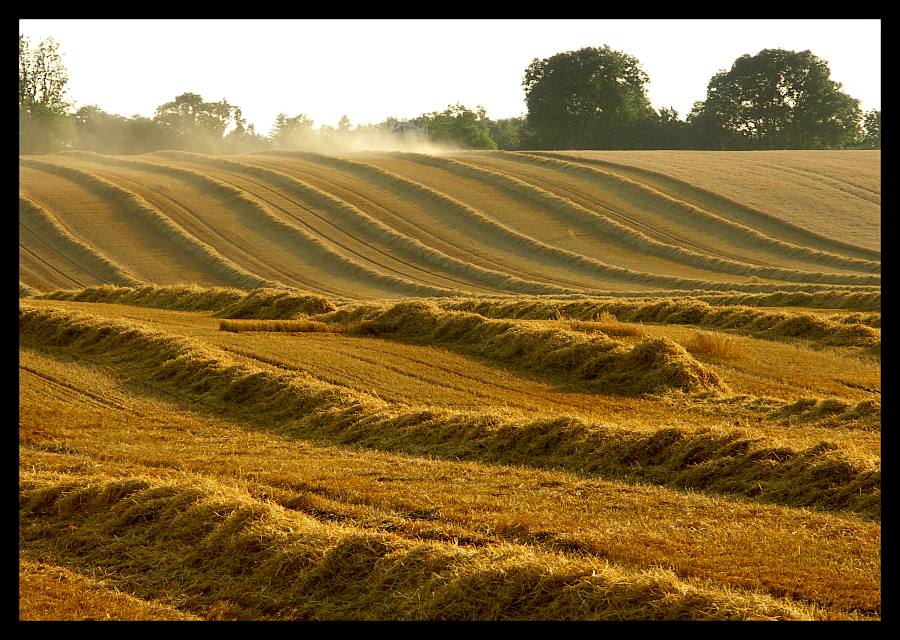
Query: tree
[291,132]
[460,126]
[780,99]
[586,98]
[197,125]
[44,124]
[510,134]
[872,126]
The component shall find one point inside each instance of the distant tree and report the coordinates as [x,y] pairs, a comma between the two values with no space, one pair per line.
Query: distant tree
[44,123]
[197,125]
[872,126]
[459,125]
[344,124]
[779,99]
[292,132]
[585,99]
[509,133]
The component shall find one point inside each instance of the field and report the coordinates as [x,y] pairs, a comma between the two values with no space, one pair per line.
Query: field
[482,385]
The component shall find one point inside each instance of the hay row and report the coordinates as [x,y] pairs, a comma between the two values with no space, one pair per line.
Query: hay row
[210,543]
[25,291]
[596,361]
[43,223]
[302,239]
[297,404]
[498,231]
[352,217]
[278,326]
[135,204]
[835,299]
[644,192]
[871,254]
[634,238]
[764,324]
[228,303]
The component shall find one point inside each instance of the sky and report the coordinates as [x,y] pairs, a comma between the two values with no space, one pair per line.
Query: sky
[369,70]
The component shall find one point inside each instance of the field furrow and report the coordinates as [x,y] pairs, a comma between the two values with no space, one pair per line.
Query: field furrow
[139,242]
[734,184]
[688,223]
[626,235]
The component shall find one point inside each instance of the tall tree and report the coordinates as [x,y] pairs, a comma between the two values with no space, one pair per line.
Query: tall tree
[44,125]
[780,99]
[586,98]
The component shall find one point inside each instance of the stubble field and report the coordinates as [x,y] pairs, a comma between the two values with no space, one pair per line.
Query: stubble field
[574,385]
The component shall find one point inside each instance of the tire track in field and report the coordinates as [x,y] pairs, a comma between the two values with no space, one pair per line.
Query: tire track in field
[633,237]
[412,249]
[702,198]
[835,183]
[496,384]
[488,279]
[518,241]
[45,263]
[292,237]
[207,228]
[85,257]
[401,282]
[588,202]
[150,217]
[408,228]
[418,281]
[77,392]
[475,222]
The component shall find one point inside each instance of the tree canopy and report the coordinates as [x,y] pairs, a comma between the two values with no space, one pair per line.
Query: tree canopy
[44,125]
[586,98]
[459,125]
[779,99]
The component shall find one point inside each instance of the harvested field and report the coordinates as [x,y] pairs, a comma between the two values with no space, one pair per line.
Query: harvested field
[480,386]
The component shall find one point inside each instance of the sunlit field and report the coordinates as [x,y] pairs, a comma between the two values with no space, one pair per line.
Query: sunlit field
[574,385]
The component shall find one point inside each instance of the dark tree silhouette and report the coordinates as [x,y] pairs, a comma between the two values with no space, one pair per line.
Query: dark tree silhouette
[779,99]
[585,99]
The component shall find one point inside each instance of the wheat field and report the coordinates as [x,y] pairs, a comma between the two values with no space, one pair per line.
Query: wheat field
[472,386]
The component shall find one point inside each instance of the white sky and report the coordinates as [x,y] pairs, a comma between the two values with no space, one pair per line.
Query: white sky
[372,69]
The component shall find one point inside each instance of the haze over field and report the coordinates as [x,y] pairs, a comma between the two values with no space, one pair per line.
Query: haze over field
[370,70]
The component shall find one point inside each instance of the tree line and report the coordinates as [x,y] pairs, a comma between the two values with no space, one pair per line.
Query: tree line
[592,98]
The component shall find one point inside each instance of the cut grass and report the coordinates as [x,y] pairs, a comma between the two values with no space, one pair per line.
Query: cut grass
[714,345]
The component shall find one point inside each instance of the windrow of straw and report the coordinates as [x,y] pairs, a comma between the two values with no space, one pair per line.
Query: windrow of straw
[691,311]
[831,412]
[228,555]
[174,297]
[499,232]
[44,224]
[837,299]
[139,207]
[595,361]
[634,238]
[274,304]
[278,326]
[351,217]
[25,291]
[260,215]
[839,246]
[228,303]
[208,380]
[643,192]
